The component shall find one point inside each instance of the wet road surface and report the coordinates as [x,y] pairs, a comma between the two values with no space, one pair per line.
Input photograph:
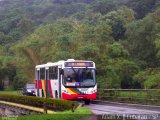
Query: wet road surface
[138,113]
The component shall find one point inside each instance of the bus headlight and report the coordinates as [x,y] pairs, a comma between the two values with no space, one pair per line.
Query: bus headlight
[93,91]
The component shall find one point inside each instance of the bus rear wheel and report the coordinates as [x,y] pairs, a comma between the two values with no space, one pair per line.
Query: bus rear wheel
[87,102]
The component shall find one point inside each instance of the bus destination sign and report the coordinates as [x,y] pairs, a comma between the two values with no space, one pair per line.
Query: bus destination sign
[78,64]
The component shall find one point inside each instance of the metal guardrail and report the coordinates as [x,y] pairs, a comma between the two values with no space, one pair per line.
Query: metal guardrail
[137,96]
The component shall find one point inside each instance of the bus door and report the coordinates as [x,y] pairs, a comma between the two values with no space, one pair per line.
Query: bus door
[53,82]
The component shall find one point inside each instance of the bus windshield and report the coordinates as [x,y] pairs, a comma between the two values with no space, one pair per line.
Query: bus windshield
[79,77]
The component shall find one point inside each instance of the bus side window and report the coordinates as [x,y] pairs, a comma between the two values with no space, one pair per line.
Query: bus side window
[37,73]
[42,73]
[56,72]
[53,73]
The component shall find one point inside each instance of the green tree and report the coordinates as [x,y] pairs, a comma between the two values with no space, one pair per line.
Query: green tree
[2,37]
[119,20]
[141,37]
[26,25]
[148,78]
[103,6]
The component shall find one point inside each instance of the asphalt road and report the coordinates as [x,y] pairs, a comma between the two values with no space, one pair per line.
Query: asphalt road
[110,111]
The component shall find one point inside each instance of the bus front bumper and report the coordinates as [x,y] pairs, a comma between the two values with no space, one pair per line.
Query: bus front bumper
[79,96]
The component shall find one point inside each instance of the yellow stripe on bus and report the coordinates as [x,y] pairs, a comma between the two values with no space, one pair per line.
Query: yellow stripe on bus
[43,87]
[71,92]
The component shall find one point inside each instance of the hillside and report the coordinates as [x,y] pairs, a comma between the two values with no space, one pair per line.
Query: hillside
[121,36]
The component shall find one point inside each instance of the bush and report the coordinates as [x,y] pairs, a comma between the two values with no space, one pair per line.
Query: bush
[52,104]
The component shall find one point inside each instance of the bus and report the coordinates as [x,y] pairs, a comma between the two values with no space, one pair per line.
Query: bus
[70,80]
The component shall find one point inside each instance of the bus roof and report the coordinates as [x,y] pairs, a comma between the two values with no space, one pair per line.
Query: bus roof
[60,63]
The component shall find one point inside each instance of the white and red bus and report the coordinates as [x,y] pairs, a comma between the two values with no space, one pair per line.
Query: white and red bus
[70,80]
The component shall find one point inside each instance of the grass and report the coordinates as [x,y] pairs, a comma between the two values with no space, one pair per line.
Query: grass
[79,114]
[10,92]
[139,97]
[133,94]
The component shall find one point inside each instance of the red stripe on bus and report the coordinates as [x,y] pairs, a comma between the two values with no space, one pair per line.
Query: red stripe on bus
[50,88]
[35,83]
[40,84]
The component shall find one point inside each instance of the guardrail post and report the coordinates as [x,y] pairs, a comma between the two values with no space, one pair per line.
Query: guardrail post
[45,107]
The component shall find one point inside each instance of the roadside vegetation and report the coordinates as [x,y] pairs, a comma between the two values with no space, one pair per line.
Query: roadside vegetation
[79,114]
[63,109]
[138,96]
[52,104]
[15,92]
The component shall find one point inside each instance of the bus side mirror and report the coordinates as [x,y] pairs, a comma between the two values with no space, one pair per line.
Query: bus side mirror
[62,72]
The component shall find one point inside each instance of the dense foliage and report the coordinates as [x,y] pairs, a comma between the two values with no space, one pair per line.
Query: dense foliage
[52,104]
[121,36]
